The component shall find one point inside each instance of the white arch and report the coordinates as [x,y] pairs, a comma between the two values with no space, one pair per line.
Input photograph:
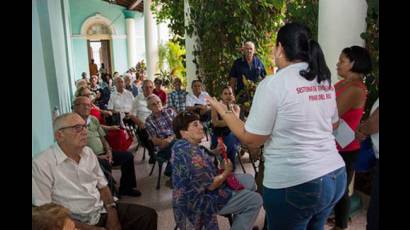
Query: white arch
[97,19]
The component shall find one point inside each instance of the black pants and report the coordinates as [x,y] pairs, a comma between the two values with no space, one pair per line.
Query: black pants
[373,211]
[126,160]
[145,141]
[133,217]
[342,208]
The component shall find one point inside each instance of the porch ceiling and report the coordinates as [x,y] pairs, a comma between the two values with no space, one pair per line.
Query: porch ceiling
[136,5]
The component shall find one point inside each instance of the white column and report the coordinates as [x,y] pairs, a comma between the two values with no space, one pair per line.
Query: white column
[131,38]
[189,46]
[340,26]
[151,52]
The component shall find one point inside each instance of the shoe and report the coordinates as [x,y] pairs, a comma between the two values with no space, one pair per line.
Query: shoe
[130,192]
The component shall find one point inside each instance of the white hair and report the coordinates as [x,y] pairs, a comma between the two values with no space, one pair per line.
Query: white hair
[250,43]
[59,121]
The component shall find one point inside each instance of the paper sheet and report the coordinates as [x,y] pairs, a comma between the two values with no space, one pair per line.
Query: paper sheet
[344,134]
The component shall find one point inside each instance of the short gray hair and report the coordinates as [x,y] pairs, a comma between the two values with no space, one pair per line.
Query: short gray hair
[250,43]
[59,121]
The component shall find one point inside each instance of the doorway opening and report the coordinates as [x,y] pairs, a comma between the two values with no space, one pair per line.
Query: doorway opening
[99,50]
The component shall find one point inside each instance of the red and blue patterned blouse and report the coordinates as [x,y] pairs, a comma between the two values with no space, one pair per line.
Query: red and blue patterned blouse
[193,171]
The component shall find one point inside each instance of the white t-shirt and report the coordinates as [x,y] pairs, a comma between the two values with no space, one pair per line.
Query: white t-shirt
[140,107]
[191,99]
[298,115]
[375,136]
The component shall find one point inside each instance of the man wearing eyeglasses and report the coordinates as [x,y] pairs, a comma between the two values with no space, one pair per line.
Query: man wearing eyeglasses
[107,158]
[68,173]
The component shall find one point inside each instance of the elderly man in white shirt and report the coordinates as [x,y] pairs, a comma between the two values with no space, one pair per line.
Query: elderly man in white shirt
[121,100]
[139,114]
[196,102]
[68,173]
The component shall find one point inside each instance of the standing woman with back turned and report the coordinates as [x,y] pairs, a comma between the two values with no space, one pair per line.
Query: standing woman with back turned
[354,63]
[293,115]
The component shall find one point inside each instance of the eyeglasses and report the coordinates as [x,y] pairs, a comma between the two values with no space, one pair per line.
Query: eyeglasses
[77,128]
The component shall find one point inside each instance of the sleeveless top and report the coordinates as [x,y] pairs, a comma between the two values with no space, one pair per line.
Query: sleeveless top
[353,116]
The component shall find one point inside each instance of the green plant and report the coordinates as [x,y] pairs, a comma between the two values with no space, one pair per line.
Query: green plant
[304,11]
[223,26]
[371,36]
[174,55]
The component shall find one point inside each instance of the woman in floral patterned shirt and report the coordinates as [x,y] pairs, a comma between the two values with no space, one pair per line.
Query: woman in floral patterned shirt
[199,192]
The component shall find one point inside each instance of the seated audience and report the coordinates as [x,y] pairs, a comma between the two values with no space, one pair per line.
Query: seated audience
[95,110]
[196,103]
[68,173]
[199,191]
[130,86]
[85,76]
[139,114]
[81,83]
[159,128]
[220,129]
[51,217]
[106,89]
[94,86]
[159,91]
[107,158]
[121,100]
[177,98]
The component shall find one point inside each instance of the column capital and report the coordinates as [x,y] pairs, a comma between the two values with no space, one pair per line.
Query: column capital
[129,14]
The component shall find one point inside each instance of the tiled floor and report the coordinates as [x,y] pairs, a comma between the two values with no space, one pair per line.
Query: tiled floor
[161,199]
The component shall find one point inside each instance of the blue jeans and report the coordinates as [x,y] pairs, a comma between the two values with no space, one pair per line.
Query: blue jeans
[304,206]
[232,144]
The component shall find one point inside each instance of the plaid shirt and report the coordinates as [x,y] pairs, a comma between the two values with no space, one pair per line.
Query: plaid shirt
[177,100]
[160,127]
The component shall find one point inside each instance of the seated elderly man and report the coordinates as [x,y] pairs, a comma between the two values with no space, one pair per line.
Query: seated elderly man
[107,158]
[196,103]
[177,98]
[121,100]
[139,114]
[159,128]
[130,85]
[68,173]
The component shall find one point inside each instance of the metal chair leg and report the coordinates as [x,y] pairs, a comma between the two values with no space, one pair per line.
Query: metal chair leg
[152,169]
[159,175]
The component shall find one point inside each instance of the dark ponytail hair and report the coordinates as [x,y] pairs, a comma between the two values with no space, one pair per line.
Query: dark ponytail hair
[297,45]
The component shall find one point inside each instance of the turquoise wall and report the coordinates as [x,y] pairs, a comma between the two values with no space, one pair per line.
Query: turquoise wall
[41,131]
[50,69]
[119,55]
[80,10]
[80,57]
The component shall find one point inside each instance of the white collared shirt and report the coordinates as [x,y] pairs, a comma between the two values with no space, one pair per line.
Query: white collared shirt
[191,99]
[59,179]
[140,107]
[121,102]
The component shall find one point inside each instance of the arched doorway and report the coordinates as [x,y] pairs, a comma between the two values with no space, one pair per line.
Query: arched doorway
[98,32]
